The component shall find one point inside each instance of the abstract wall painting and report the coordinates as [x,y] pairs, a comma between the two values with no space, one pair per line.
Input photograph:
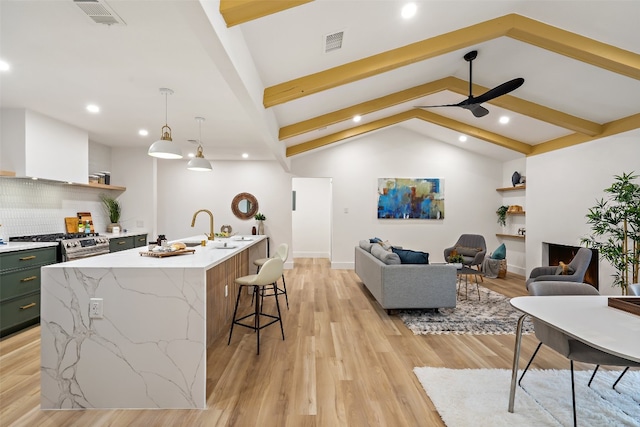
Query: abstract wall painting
[410,198]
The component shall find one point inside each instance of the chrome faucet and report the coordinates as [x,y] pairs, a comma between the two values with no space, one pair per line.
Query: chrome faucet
[211,235]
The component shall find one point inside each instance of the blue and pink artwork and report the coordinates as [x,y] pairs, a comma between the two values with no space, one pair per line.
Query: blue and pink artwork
[410,198]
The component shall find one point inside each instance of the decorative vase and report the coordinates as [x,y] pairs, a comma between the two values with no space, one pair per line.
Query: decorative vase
[515,178]
[260,227]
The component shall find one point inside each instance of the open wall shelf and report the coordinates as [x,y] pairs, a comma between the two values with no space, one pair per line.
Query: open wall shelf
[511,236]
[519,187]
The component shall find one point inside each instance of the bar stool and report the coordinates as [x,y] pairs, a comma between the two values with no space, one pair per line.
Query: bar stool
[282,252]
[268,275]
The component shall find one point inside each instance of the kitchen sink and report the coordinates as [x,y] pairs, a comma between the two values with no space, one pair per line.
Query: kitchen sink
[192,244]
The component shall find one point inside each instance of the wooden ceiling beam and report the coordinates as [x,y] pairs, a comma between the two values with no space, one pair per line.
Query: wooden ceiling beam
[609,129]
[415,113]
[236,12]
[515,26]
[453,84]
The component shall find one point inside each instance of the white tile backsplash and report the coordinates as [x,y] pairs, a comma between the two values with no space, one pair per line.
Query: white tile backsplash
[39,207]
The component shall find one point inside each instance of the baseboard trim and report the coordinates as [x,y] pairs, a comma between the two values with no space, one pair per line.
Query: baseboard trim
[302,254]
[342,265]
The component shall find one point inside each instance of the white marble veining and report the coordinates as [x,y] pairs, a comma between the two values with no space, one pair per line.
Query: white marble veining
[23,246]
[148,351]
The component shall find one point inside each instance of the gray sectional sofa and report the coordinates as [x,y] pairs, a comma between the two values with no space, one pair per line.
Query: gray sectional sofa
[404,286]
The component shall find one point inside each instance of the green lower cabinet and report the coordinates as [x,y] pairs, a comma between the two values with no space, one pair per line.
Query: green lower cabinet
[139,241]
[17,313]
[19,282]
[120,243]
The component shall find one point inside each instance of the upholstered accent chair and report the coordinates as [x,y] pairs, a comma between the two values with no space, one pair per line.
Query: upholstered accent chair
[472,247]
[572,349]
[577,269]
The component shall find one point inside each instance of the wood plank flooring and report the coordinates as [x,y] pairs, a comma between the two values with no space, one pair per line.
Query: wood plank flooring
[344,362]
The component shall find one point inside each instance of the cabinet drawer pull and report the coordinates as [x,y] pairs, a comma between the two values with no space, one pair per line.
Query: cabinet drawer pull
[25,307]
[28,279]
[27,258]
[141,239]
[122,242]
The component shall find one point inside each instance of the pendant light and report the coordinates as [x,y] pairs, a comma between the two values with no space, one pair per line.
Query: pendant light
[164,148]
[199,163]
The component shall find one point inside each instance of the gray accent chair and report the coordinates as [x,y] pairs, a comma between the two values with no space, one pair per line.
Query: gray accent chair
[579,264]
[572,349]
[469,241]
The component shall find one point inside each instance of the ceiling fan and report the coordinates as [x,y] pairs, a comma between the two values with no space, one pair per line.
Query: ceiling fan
[472,103]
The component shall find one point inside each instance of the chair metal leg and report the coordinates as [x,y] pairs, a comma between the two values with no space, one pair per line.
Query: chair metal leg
[258,311]
[620,377]
[235,311]
[284,287]
[530,360]
[573,397]
[275,290]
[593,375]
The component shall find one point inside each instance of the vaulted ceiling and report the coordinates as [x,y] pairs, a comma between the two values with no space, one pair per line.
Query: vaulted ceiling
[258,72]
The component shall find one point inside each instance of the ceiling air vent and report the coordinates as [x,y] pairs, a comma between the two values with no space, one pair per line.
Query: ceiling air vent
[333,41]
[99,11]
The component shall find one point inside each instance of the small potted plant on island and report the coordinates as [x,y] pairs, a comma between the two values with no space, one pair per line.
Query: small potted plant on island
[113,209]
[260,218]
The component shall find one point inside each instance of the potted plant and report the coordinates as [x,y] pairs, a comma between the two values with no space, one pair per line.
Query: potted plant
[615,223]
[456,259]
[502,215]
[113,209]
[260,218]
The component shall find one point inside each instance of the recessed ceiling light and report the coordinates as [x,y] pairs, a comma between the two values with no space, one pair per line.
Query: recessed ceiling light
[93,108]
[143,132]
[245,155]
[462,138]
[409,10]
[504,120]
[4,66]
[357,118]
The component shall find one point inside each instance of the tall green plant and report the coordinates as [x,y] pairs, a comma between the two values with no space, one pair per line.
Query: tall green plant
[615,224]
[112,208]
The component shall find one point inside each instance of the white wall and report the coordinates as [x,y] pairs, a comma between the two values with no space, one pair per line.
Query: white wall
[182,192]
[561,187]
[470,183]
[311,221]
[516,249]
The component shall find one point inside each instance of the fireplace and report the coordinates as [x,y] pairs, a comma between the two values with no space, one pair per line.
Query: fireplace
[556,253]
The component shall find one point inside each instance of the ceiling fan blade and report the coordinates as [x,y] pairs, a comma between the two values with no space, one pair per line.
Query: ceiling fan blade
[477,109]
[434,106]
[497,91]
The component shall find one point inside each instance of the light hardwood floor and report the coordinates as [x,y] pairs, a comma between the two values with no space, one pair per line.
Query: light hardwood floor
[344,362]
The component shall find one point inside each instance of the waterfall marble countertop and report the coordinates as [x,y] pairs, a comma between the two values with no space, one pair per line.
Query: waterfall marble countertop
[204,257]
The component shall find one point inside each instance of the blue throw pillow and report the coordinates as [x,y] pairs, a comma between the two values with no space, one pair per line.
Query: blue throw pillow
[375,240]
[500,253]
[411,257]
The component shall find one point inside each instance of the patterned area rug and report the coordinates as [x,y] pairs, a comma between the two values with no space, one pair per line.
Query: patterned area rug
[491,315]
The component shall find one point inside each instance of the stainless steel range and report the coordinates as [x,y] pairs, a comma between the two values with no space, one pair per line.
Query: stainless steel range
[71,246]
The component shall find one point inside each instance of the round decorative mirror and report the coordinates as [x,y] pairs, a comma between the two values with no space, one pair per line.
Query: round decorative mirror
[244,206]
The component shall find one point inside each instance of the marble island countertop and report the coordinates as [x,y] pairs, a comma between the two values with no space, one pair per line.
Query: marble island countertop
[204,257]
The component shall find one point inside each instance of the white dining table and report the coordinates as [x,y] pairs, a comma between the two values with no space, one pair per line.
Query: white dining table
[587,318]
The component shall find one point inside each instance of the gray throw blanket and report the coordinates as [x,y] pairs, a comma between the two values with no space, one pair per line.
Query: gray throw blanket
[491,267]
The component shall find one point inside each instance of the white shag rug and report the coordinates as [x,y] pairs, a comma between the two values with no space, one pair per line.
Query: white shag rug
[480,397]
[491,315]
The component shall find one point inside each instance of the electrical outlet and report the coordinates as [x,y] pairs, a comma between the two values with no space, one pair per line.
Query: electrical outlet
[96,308]
[226,291]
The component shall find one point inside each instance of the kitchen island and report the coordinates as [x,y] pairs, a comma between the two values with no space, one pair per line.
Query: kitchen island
[145,343]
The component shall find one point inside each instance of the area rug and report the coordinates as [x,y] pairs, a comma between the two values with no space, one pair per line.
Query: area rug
[480,397]
[491,315]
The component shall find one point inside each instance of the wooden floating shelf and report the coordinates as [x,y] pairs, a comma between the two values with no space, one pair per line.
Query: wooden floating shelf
[73,184]
[511,236]
[516,213]
[7,173]
[103,186]
[519,187]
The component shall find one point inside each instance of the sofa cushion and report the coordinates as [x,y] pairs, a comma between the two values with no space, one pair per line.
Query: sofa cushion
[366,245]
[500,253]
[408,256]
[465,251]
[564,270]
[387,257]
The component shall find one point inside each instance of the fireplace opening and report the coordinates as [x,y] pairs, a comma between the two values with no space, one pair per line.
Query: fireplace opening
[564,253]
